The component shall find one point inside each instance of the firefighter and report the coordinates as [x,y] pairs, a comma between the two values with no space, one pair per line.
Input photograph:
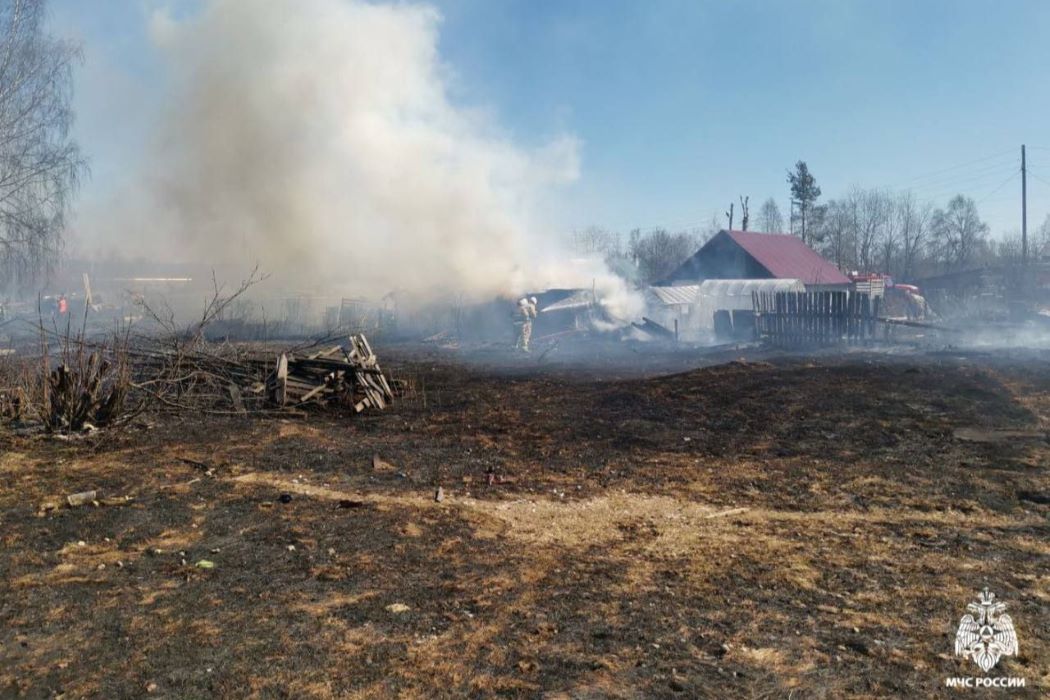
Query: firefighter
[526,312]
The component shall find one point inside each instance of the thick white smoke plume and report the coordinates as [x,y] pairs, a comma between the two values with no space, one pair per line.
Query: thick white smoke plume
[318,138]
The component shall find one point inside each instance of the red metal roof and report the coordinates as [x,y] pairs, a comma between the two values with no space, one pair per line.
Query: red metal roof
[786,256]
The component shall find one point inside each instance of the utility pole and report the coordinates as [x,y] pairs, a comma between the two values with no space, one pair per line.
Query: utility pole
[1024,210]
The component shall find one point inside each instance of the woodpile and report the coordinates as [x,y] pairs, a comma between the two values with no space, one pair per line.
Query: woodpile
[250,379]
[347,375]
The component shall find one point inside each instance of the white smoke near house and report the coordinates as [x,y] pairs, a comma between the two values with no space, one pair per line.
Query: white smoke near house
[319,138]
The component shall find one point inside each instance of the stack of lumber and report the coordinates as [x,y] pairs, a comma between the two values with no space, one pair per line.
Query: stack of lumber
[346,374]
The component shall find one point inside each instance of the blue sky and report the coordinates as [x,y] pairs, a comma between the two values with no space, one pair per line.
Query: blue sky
[682,106]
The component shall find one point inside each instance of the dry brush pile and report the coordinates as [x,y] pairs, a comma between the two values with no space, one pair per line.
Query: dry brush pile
[82,384]
[72,382]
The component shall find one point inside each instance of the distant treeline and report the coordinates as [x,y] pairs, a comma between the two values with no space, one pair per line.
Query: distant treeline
[869,230]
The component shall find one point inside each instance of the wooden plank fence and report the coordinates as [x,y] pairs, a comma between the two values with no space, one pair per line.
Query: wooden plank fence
[814,319]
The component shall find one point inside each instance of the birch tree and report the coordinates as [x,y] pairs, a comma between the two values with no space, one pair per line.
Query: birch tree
[40,165]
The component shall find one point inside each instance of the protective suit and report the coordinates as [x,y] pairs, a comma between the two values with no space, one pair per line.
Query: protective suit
[526,314]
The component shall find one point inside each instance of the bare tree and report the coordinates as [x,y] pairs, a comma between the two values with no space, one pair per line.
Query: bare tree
[594,240]
[1040,243]
[859,231]
[770,219]
[659,252]
[39,163]
[872,212]
[838,232]
[709,230]
[1008,249]
[889,242]
[959,233]
[745,213]
[913,226]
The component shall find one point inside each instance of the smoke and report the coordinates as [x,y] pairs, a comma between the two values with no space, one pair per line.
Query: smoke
[319,138]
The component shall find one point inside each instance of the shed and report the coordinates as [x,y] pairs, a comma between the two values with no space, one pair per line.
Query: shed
[693,306]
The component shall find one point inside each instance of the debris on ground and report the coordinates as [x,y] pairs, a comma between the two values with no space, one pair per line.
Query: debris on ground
[351,503]
[80,499]
[655,329]
[115,501]
[46,507]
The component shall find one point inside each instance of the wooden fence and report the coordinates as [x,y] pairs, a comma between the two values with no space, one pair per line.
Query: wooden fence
[808,319]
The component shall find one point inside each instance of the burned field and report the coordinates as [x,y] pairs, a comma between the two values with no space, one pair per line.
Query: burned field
[812,526]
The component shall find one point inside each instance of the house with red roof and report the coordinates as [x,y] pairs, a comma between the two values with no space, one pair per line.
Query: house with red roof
[751,255]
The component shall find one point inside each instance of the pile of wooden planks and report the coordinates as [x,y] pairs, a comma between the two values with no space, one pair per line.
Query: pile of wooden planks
[346,374]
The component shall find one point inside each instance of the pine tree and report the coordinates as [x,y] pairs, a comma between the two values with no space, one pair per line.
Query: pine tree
[804,191]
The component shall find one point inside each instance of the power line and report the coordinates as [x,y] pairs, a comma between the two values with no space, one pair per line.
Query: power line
[957,190]
[951,177]
[1001,185]
[1031,174]
[969,179]
[960,165]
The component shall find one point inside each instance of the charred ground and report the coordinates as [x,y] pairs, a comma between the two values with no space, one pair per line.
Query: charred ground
[749,529]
